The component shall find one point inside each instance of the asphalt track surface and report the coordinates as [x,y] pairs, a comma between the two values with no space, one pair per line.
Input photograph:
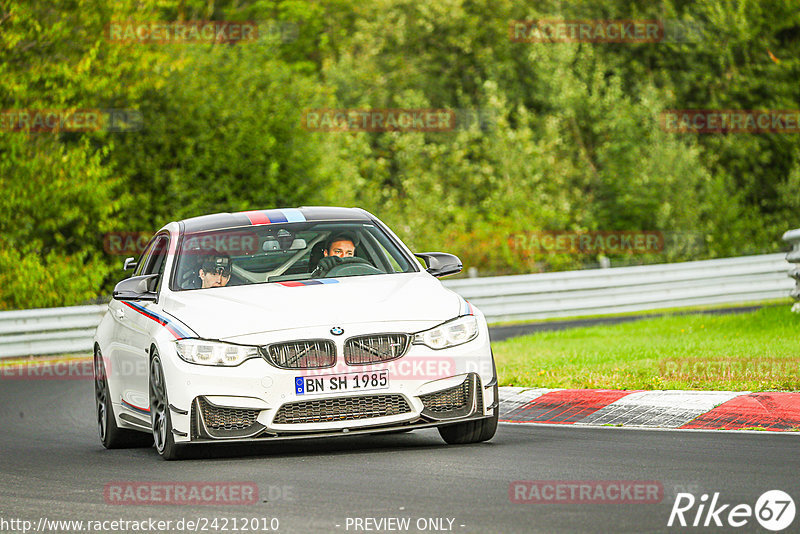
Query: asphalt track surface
[52,466]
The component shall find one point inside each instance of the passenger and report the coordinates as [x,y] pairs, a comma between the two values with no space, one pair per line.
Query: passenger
[215,270]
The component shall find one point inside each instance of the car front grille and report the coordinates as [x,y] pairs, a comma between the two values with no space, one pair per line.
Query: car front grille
[212,421]
[456,401]
[375,348]
[341,409]
[308,354]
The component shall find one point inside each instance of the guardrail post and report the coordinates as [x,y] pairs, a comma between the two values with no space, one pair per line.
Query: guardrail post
[793,237]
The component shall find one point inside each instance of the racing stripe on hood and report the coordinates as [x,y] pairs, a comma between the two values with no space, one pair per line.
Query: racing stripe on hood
[299,283]
[175,328]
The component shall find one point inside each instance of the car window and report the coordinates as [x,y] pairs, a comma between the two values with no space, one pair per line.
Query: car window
[157,255]
[287,252]
[140,265]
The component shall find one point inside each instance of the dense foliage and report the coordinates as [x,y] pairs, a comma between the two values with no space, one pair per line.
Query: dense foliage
[562,136]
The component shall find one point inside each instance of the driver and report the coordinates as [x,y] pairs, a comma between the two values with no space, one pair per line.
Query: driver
[339,248]
[341,245]
[215,269]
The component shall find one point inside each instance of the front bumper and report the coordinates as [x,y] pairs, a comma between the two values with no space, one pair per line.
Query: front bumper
[342,415]
[256,401]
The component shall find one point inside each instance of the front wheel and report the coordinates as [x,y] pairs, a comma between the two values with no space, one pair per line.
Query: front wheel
[159,413]
[472,431]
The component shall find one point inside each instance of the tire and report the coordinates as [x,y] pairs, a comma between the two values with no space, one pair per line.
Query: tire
[160,418]
[472,431]
[111,436]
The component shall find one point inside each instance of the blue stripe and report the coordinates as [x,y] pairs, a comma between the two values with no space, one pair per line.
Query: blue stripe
[294,215]
[135,408]
[467,307]
[172,323]
[276,216]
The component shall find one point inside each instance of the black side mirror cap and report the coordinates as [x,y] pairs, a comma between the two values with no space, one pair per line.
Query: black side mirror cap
[440,263]
[137,288]
[130,264]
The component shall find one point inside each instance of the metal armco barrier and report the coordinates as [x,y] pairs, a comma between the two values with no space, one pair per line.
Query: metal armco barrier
[793,237]
[49,330]
[501,298]
[627,289]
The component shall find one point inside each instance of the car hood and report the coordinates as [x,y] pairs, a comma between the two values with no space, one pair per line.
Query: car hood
[227,312]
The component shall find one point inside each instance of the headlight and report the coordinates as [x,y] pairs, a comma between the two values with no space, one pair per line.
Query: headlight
[449,334]
[204,352]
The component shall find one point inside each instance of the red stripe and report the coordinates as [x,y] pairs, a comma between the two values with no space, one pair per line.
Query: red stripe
[291,284]
[134,406]
[564,407]
[773,411]
[156,319]
[173,331]
[257,217]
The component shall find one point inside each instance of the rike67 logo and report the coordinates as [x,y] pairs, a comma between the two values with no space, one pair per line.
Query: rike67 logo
[774,510]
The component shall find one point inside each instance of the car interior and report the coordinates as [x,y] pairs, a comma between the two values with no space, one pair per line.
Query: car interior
[289,252]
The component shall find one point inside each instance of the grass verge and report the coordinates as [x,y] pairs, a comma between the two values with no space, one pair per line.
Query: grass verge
[754,351]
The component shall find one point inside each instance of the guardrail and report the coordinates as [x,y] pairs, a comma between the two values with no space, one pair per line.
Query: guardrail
[49,330]
[627,289]
[793,237]
[501,298]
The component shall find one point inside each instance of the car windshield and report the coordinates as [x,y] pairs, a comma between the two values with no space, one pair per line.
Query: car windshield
[291,252]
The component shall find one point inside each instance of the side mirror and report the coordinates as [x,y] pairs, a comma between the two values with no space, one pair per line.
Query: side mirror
[440,263]
[137,288]
[130,264]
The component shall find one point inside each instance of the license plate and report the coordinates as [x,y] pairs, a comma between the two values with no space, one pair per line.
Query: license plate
[346,382]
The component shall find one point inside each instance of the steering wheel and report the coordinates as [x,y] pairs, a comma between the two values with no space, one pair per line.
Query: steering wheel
[352,268]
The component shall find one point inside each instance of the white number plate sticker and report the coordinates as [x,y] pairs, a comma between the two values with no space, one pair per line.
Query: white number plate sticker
[310,385]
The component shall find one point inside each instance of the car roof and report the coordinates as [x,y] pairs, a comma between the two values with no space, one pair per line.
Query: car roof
[279,215]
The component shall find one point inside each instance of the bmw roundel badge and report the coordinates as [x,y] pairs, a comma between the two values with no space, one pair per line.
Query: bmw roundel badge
[337,331]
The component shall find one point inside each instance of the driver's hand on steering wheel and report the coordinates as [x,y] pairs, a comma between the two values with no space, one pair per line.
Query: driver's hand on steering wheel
[328,262]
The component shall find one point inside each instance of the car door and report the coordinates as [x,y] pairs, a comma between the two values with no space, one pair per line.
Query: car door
[121,350]
[140,327]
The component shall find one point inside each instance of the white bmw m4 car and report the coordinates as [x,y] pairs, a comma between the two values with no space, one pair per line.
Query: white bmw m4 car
[285,324]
